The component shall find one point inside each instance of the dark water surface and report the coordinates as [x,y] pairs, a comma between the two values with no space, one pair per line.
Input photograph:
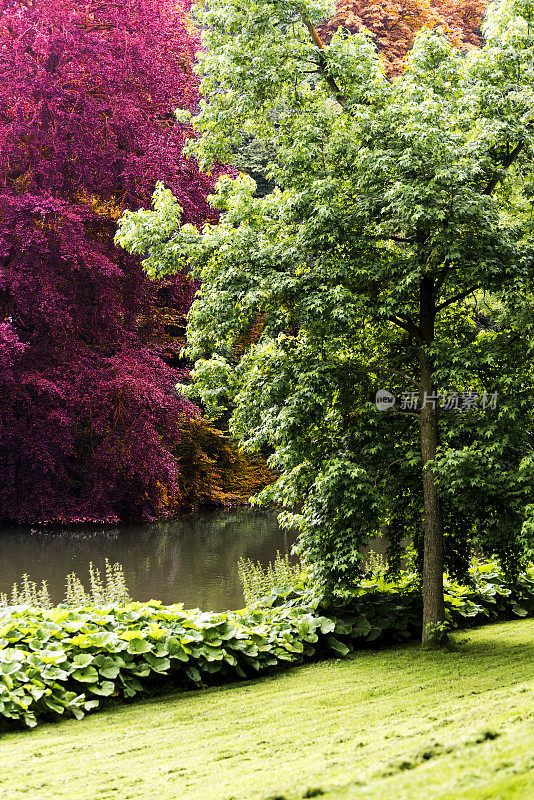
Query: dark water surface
[192,560]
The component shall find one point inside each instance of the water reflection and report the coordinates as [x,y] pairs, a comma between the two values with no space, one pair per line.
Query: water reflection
[192,560]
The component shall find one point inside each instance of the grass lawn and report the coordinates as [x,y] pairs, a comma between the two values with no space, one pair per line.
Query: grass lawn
[383,724]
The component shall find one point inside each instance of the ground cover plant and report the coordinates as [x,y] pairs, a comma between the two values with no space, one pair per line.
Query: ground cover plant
[63,661]
[389,723]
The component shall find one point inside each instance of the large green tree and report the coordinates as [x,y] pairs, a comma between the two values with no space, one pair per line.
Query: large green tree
[393,253]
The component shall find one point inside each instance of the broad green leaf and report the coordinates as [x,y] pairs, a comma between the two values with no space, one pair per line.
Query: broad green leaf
[158,664]
[105,689]
[337,646]
[86,675]
[138,645]
[82,660]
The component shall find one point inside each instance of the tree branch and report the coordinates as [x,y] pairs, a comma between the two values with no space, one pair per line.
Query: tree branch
[323,66]
[407,325]
[402,374]
[456,298]
[508,161]
[388,370]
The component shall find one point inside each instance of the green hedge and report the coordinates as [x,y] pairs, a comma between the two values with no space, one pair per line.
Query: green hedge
[64,662]
[60,660]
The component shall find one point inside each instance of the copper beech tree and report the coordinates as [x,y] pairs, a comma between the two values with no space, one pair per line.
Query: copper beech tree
[91,426]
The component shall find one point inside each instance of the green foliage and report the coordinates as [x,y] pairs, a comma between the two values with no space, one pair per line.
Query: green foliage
[111,590]
[398,235]
[258,581]
[28,593]
[63,661]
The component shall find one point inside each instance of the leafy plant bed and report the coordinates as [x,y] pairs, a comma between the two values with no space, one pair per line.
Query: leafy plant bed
[64,661]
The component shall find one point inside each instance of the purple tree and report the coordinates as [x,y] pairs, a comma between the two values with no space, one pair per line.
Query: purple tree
[90,424]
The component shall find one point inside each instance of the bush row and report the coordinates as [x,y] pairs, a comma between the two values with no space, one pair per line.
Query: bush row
[62,661]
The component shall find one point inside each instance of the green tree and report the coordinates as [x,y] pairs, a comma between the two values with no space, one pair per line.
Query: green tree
[392,253]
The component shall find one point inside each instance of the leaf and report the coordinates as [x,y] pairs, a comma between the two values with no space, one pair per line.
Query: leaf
[108,666]
[193,674]
[9,667]
[212,653]
[141,669]
[326,625]
[53,704]
[158,664]
[337,646]
[37,692]
[212,667]
[373,634]
[131,686]
[109,641]
[137,646]
[129,635]
[86,675]
[82,660]
[176,649]
[106,688]
[360,627]
[52,656]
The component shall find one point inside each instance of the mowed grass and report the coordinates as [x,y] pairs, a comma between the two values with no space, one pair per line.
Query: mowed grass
[390,724]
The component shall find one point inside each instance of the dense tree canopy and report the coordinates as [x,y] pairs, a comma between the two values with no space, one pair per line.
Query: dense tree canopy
[394,24]
[91,425]
[391,254]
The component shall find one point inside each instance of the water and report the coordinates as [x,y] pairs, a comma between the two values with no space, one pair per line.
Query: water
[192,560]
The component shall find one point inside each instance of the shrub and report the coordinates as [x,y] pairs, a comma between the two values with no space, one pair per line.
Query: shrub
[64,661]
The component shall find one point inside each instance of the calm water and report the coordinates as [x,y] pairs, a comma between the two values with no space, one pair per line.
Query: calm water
[191,561]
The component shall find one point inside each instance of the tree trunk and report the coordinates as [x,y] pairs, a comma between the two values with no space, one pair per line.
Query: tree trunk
[433,604]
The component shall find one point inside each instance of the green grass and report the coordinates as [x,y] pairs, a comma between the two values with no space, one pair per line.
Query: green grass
[399,724]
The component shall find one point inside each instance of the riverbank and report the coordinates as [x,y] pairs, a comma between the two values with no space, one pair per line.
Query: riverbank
[396,722]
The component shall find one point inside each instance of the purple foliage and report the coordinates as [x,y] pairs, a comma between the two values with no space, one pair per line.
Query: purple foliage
[89,419]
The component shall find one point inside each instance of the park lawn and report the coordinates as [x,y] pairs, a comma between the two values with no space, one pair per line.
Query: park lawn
[397,723]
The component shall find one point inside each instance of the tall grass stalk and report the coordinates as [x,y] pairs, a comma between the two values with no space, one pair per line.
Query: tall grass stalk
[110,591]
[258,581]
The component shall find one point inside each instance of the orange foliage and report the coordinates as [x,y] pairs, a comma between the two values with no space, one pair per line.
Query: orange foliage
[395,24]
[249,338]
[464,17]
[214,470]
